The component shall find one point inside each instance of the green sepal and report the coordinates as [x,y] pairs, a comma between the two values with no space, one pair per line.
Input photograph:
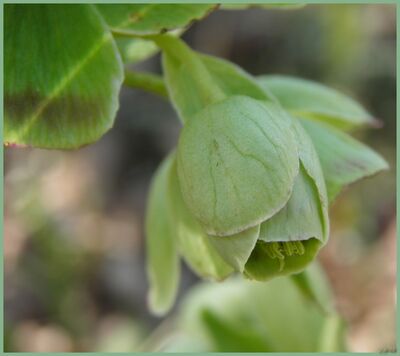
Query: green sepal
[300,219]
[195,80]
[233,80]
[162,261]
[344,160]
[237,161]
[193,242]
[236,249]
[290,239]
[308,99]
[312,165]
[62,75]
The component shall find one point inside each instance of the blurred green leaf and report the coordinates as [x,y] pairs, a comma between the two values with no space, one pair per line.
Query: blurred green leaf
[344,160]
[144,19]
[237,161]
[62,75]
[314,287]
[244,316]
[193,242]
[162,252]
[312,100]
[332,337]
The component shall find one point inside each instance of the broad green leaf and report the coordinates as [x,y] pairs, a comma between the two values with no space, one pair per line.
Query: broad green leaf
[62,75]
[144,19]
[236,249]
[244,316]
[282,6]
[344,160]
[183,81]
[193,242]
[237,161]
[312,100]
[162,251]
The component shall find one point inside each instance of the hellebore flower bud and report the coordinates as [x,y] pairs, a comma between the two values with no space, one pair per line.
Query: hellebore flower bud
[291,238]
[245,190]
[237,160]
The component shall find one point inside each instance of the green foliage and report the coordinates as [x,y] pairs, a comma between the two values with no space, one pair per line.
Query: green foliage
[63,70]
[308,99]
[128,19]
[238,162]
[185,83]
[272,6]
[62,75]
[193,242]
[162,252]
[343,159]
[144,19]
[257,162]
[259,317]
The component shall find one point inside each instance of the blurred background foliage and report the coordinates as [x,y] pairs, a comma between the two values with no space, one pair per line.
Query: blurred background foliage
[73,223]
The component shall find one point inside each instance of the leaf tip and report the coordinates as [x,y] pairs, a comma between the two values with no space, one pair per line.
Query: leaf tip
[157,307]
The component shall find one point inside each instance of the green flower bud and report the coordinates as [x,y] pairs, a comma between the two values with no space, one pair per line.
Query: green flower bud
[237,161]
[290,240]
[245,190]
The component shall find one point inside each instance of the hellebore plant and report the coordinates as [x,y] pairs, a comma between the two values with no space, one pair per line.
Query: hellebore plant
[258,159]
[245,190]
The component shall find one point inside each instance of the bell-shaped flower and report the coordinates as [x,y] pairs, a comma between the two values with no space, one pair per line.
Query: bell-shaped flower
[245,190]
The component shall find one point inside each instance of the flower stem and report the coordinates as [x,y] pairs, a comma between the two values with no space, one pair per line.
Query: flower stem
[207,88]
[148,82]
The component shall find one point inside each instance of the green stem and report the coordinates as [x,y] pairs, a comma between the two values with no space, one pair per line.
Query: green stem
[148,82]
[208,90]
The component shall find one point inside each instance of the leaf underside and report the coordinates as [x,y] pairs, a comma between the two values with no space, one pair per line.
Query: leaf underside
[344,160]
[310,99]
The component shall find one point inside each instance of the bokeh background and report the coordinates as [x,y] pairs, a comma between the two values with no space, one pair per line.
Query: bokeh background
[74,258]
